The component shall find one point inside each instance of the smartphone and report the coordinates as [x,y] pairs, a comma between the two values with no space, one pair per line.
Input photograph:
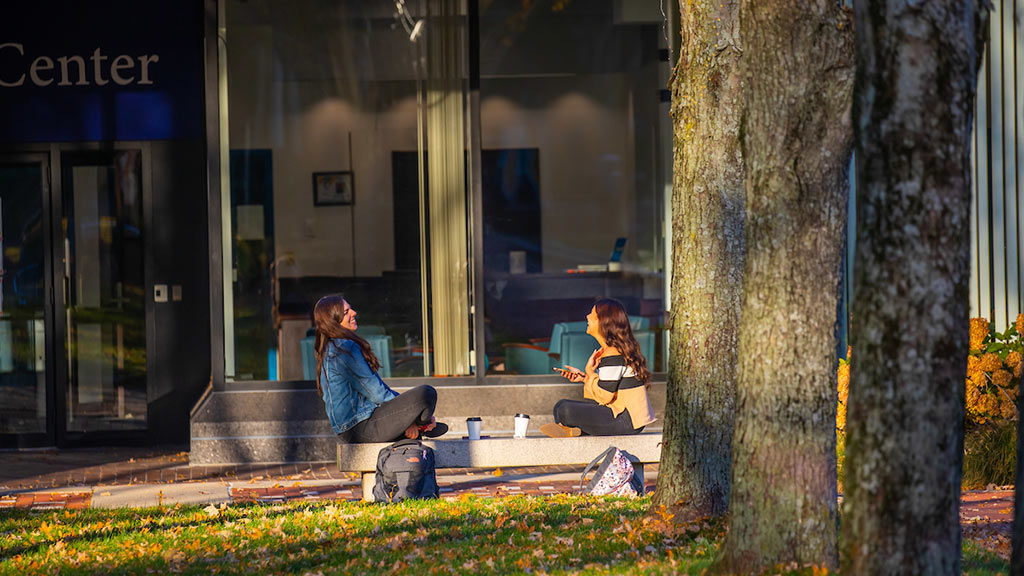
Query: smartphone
[566,373]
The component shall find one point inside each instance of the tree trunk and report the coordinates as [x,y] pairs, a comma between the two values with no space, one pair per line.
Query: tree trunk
[917,71]
[707,269]
[796,136]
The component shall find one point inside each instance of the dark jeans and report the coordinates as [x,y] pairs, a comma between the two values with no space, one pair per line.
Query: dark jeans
[594,419]
[388,422]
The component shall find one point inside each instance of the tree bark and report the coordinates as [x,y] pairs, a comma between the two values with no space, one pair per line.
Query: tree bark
[707,269]
[796,136]
[917,71]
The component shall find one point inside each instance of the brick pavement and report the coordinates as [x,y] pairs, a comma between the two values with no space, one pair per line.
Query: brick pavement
[39,501]
[986,518]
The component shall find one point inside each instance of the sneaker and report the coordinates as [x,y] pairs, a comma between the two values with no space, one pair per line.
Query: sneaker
[440,429]
[555,430]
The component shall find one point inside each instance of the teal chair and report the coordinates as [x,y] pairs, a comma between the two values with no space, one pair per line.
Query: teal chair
[539,356]
[569,344]
[640,323]
[577,348]
[379,343]
[308,358]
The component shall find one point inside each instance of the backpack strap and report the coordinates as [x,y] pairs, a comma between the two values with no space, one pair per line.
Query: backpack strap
[406,442]
[594,462]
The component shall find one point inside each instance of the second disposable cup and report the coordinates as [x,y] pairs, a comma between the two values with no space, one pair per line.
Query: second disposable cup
[522,424]
[473,427]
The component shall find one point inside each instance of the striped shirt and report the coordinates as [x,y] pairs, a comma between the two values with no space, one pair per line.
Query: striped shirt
[618,388]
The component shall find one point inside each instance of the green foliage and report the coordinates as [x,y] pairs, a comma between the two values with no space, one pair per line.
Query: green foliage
[990,455]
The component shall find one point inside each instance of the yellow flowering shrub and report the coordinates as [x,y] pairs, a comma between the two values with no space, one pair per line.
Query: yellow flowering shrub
[844,391]
[979,332]
[993,371]
[994,367]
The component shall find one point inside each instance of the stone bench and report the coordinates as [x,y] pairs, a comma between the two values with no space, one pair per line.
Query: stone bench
[505,452]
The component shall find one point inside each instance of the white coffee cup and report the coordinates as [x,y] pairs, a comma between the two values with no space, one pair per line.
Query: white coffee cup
[522,424]
[473,426]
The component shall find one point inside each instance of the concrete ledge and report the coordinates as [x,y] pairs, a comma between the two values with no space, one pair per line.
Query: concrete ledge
[494,452]
[289,425]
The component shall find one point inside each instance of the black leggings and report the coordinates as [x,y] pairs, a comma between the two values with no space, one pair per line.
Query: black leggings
[593,418]
[388,421]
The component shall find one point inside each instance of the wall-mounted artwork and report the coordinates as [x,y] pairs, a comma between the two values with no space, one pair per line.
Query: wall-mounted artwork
[333,189]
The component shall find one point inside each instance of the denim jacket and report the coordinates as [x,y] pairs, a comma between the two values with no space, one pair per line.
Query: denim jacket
[351,390]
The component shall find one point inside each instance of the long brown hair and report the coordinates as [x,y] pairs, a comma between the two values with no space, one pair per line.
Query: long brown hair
[613,323]
[327,316]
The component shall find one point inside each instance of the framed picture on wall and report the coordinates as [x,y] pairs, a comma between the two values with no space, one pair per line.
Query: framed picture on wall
[333,188]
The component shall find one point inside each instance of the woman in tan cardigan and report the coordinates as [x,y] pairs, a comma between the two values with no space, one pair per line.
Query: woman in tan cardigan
[615,381]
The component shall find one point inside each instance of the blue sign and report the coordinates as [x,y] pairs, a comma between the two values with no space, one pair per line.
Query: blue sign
[101,70]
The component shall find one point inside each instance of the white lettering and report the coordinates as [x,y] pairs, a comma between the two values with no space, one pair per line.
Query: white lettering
[97,59]
[39,65]
[145,61]
[73,69]
[82,79]
[21,79]
[120,63]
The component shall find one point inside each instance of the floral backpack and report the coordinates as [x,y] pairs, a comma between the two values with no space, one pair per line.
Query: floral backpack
[615,476]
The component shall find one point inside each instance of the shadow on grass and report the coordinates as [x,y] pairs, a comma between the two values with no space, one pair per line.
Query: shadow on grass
[470,536]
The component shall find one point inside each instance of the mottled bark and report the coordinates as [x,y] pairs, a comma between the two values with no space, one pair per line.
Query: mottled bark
[917,70]
[707,269]
[798,64]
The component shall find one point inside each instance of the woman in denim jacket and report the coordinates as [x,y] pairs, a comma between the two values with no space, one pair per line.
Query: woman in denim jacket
[360,406]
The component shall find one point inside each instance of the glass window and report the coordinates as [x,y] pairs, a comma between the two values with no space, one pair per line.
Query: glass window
[22,300]
[341,115]
[574,176]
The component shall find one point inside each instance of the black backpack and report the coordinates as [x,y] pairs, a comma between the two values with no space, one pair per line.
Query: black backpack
[405,470]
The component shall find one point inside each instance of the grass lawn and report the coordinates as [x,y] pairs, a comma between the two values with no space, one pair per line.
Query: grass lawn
[472,535]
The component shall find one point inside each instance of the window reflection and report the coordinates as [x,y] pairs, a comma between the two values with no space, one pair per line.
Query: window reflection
[573,177]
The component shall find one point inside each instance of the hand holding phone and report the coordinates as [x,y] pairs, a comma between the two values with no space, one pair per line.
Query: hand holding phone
[570,373]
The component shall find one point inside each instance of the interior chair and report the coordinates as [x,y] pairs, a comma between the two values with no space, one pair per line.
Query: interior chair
[540,355]
[379,343]
[640,323]
[577,348]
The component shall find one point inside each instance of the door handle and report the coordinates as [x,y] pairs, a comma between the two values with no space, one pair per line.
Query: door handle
[67,258]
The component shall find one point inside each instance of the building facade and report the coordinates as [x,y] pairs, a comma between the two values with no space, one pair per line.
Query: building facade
[181,181]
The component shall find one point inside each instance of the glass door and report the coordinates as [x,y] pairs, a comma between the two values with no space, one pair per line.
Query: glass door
[24,409]
[103,291]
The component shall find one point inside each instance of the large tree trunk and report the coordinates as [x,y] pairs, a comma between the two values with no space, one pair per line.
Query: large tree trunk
[917,71]
[707,269]
[798,61]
